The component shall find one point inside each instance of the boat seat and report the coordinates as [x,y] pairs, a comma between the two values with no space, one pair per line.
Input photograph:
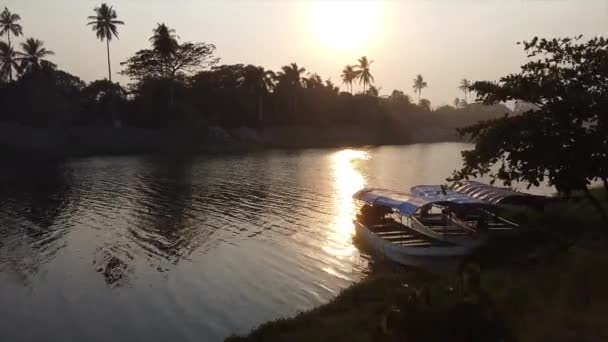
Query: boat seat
[449,230]
[396,232]
[400,239]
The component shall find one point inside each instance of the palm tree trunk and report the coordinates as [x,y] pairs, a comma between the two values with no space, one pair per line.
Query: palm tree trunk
[171,93]
[109,64]
[10,67]
[260,110]
[419,91]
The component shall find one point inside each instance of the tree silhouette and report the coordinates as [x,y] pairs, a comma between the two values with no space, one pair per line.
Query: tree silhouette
[8,61]
[258,82]
[32,57]
[8,25]
[465,87]
[349,74]
[364,72]
[425,104]
[313,81]
[164,42]
[168,60]
[456,102]
[290,79]
[561,138]
[104,24]
[291,75]
[419,84]
[186,60]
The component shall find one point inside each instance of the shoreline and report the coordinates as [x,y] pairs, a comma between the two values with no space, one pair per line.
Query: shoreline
[502,292]
[87,141]
[505,304]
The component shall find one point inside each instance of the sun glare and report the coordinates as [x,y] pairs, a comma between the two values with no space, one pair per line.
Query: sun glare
[346,25]
[348,181]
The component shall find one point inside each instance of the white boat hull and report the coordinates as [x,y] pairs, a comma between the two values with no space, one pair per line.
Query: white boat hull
[408,255]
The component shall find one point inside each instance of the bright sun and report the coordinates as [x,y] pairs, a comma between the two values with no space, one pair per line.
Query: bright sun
[346,26]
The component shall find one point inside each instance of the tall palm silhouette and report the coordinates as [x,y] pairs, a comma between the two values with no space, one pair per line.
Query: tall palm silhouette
[291,75]
[364,72]
[290,78]
[104,24]
[8,61]
[8,25]
[419,84]
[258,82]
[164,42]
[32,57]
[465,87]
[349,74]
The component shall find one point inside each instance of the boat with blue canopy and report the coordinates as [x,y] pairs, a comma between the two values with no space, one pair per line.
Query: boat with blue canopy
[448,223]
[497,195]
[405,227]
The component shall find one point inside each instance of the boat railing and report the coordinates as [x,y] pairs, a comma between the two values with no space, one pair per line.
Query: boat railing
[502,219]
[418,226]
[455,220]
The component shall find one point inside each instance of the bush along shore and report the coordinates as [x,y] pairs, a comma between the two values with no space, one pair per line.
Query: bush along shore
[78,141]
[547,284]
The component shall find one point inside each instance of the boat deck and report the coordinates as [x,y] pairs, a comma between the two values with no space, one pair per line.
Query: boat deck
[403,236]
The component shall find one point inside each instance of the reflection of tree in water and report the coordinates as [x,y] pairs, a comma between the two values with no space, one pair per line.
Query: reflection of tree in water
[33,200]
[162,229]
[184,205]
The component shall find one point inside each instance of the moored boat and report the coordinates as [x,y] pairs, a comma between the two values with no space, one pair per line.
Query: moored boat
[499,196]
[465,210]
[405,227]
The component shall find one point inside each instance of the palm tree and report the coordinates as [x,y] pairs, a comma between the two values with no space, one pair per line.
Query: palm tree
[465,87]
[349,74]
[104,24]
[364,73]
[290,77]
[164,42]
[419,84]
[32,57]
[8,61]
[8,25]
[258,82]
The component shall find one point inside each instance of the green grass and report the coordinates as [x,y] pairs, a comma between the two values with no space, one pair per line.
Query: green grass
[564,300]
[353,316]
[392,306]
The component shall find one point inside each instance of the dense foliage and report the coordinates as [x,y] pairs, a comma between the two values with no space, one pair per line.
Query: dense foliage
[181,84]
[562,138]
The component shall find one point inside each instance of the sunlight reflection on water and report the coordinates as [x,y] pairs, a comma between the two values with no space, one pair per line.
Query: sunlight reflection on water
[348,180]
[190,250]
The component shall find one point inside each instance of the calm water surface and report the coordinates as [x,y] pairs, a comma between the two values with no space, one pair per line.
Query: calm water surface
[153,249]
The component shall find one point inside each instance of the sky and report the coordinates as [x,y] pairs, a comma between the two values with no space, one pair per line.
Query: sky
[444,40]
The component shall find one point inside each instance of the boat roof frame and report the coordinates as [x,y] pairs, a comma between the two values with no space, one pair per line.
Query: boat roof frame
[408,204]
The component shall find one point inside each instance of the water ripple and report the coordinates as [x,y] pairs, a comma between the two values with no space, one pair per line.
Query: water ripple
[196,248]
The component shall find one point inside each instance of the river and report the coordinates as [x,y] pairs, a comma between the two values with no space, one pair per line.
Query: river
[156,249]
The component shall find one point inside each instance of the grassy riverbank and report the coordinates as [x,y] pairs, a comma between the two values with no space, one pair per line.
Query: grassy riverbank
[548,284]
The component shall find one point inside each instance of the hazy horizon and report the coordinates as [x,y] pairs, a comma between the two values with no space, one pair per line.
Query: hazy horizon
[443,41]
